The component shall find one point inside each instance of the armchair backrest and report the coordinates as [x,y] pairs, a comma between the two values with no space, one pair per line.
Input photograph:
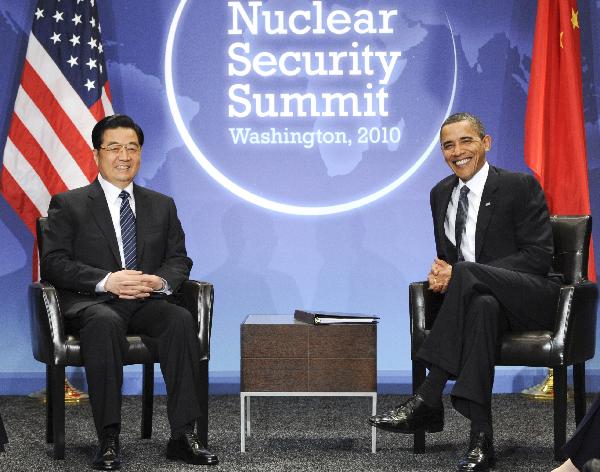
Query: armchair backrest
[40,225]
[571,246]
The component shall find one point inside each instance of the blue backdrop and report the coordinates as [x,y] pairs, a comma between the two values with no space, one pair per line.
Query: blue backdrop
[300,154]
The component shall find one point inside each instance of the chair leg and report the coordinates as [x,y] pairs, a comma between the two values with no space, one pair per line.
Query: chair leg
[57,397]
[560,411]
[147,400]
[579,388]
[202,422]
[49,421]
[418,377]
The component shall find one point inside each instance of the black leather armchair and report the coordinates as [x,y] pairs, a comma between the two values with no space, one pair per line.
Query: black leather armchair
[58,349]
[572,341]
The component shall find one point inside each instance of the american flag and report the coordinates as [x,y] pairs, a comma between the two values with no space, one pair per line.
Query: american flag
[63,93]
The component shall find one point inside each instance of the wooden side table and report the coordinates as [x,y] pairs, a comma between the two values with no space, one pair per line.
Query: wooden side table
[284,357]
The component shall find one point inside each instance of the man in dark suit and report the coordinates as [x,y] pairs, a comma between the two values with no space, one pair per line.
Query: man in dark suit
[115,251]
[494,251]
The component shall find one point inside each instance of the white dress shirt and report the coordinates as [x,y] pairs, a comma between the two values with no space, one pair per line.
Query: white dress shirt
[476,185]
[111,193]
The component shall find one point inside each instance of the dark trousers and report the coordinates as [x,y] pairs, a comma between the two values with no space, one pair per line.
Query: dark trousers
[481,303]
[585,443]
[167,330]
[3,436]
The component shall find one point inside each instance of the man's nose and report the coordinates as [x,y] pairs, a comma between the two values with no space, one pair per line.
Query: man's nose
[123,154]
[457,149]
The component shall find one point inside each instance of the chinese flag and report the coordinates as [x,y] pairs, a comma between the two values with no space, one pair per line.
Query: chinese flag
[554,128]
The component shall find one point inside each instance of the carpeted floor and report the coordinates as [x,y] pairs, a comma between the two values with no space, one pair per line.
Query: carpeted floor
[288,434]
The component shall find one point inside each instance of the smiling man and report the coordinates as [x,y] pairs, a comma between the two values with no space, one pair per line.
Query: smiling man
[115,251]
[494,250]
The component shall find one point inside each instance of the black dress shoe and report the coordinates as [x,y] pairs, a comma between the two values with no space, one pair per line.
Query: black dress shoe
[188,448]
[480,457]
[411,416]
[593,465]
[108,455]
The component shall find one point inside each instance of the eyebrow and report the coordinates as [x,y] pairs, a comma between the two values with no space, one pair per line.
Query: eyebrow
[117,142]
[459,139]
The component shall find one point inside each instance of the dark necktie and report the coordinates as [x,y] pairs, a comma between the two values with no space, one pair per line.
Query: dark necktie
[128,233]
[461,220]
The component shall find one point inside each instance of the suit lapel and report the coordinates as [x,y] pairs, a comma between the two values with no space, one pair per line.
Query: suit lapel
[100,213]
[143,218]
[444,201]
[440,217]
[486,209]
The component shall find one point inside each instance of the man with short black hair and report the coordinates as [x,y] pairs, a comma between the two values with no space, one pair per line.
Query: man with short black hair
[494,251]
[115,251]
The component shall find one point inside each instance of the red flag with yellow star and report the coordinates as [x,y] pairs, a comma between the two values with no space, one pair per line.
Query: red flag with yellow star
[554,127]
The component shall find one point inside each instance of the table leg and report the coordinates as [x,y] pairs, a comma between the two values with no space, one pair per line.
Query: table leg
[373,428]
[243,423]
[248,416]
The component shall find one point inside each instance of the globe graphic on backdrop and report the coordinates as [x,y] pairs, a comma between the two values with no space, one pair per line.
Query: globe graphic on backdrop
[307,131]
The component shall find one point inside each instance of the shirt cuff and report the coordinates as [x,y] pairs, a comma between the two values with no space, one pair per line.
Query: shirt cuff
[166,289]
[100,286]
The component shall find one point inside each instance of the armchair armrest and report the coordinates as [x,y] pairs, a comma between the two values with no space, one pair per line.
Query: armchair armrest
[423,307]
[47,326]
[49,340]
[575,324]
[198,298]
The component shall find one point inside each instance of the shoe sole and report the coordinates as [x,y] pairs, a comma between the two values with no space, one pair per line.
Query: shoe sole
[432,428]
[176,453]
[173,457]
[491,465]
[112,467]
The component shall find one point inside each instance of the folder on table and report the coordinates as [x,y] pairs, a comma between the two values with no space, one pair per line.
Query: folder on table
[323,317]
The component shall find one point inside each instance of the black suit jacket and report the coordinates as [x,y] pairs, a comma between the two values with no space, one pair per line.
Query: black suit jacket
[513,227]
[80,245]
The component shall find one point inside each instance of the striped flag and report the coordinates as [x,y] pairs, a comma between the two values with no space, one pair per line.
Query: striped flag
[63,93]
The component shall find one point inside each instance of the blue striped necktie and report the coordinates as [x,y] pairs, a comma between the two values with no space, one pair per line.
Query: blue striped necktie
[460,224]
[128,233]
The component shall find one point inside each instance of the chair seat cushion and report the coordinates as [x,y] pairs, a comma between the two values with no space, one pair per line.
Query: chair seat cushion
[530,348]
[138,352]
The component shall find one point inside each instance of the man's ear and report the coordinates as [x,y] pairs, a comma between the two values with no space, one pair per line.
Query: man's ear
[487,142]
[96,156]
